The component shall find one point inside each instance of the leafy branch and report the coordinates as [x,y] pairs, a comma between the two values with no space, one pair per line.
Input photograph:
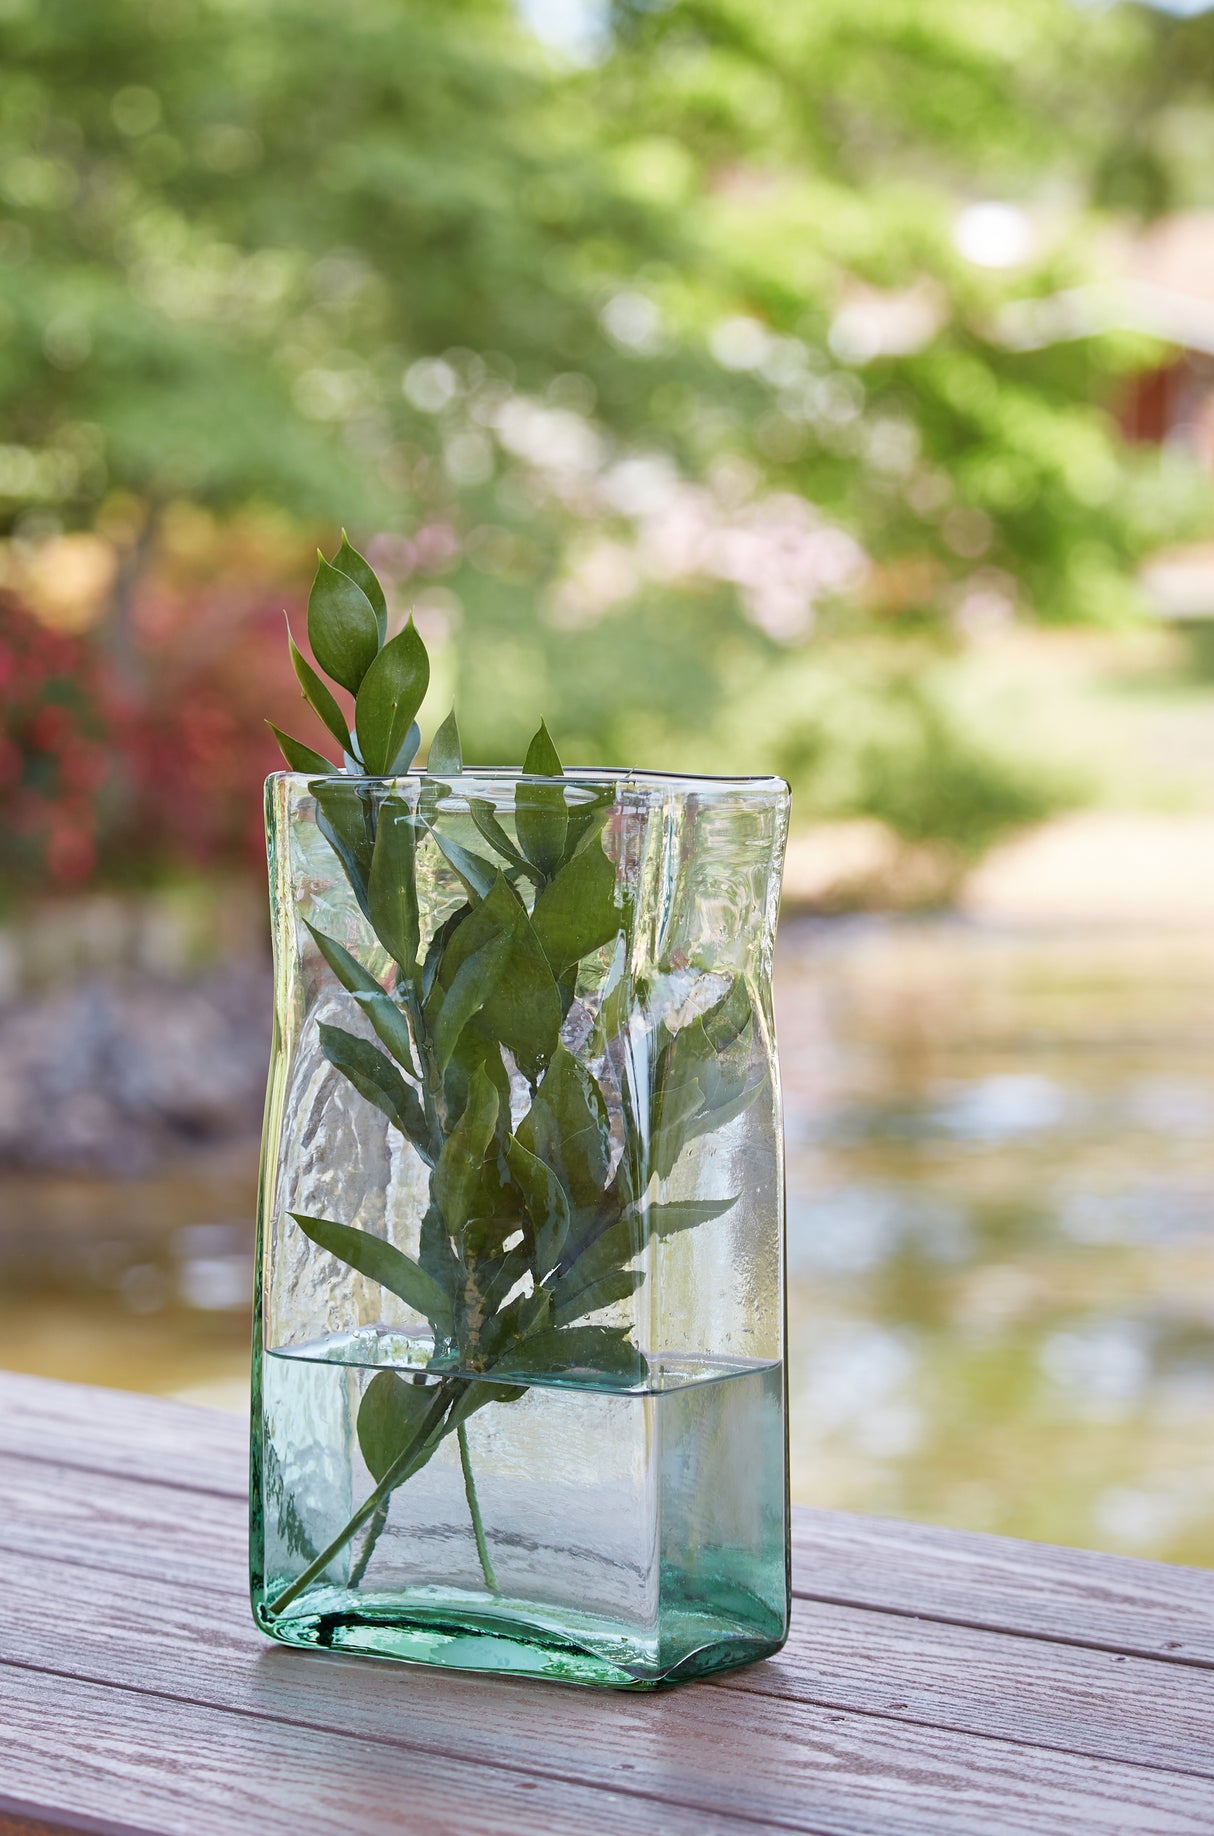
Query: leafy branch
[532,1226]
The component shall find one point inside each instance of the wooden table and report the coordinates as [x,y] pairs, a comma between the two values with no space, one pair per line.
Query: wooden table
[935,1683]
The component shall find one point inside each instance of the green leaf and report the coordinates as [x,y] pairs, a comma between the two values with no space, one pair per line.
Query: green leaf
[407,753]
[481,811]
[546,1200]
[392,884]
[348,970]
[343,816]
[381,1010]
[540,816]
[458,1177]
[390,1025]
[435,1254]
[577,911]
[391,1415]
[342,627]
[566,1127]
[523,1007]
[470,988]
[377,1080]
[604,1351]
[439,940]
[349,562]
[446,755]
[387,701]
[384,1263]
[300,757]
[318,696]
[475,875]
[543,760]
[620,1285]
[684,1214]
[726,1022]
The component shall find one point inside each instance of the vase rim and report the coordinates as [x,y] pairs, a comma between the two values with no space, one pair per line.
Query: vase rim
[688,783]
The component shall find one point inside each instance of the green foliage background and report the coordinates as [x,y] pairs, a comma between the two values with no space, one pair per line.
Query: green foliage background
[580,332]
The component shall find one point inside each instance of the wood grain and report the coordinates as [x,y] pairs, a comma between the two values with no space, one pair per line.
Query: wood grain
[112,1431]
[67,1748]
[136,1695]
[1118,1603]
[97,1629]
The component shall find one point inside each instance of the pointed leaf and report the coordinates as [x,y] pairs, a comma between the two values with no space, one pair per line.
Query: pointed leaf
[388,698]
[476,875]
[407,753]
[318,695]
[342,627]
[523,1007]
[300,757]
[391,1416]
[543,760]
[390,1025]
[392,883]
[381,1262]
[481,811]
[470,988]
[349,562]
[566,1127]
[684,1214]
[459,1174]
[446,755]
[577,911]
[547,1203]
[343,816]
[376,1079]
[540,814]
[618,1286]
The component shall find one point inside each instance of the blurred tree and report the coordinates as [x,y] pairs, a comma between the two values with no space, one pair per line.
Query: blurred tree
[644,373]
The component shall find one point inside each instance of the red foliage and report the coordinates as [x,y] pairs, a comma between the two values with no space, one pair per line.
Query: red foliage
[105,777]
[54,759]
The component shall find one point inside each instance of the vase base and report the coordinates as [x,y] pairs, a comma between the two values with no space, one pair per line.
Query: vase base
[456,1630]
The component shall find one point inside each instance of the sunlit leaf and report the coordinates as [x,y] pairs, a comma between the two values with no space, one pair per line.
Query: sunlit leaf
[390,693]
[318,696]
[342,627]
[348,561]
[300,757]
[446,755]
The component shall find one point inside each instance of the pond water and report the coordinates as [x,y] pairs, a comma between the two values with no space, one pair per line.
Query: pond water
[1001,1236]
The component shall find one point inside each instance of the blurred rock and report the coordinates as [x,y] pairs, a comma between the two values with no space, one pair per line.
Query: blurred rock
[116,1072]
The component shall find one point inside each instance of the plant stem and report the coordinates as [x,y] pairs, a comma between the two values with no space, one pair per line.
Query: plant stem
[474,1511]
[374,1530]
[401,1467]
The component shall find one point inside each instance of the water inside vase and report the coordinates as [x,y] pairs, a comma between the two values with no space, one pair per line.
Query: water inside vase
[629,1535]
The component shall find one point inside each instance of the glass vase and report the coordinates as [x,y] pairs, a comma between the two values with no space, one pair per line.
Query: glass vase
[519,1393]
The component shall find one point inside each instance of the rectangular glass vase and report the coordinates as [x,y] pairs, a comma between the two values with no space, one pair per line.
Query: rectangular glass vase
[519,1395]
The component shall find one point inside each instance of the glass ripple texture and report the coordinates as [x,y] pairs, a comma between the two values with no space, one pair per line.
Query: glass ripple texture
[519,1394]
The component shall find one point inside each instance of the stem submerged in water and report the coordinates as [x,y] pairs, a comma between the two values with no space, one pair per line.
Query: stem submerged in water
[474,1511]
[406,1463]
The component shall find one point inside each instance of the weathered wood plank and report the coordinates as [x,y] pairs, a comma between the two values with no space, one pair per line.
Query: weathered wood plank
[178,1768]
[1114,1602]
[71,1751]
[112,1431]
[90,1624]
[98,1520]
